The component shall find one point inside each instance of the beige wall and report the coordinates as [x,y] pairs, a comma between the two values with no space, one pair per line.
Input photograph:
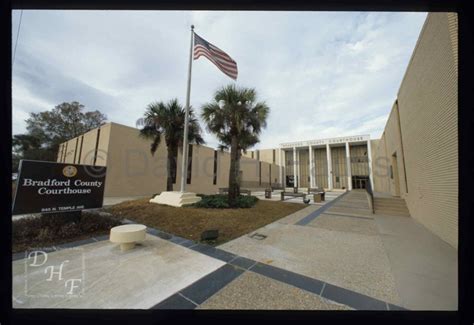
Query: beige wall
[265,155]
[428,106]
[321,167]
[81,149]
[422,131]
[133,171]
[359,164]
[303,157]
[339,167]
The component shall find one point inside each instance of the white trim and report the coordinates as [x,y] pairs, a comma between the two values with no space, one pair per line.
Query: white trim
[341,140]
[349,171]
[329,158]
[369,156]
[311,169]
[295,182]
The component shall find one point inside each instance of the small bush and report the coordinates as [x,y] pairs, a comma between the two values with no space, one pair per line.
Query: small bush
[50,229]
[220,201]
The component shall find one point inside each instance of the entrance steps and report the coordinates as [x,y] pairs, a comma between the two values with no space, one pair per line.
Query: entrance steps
[393,206]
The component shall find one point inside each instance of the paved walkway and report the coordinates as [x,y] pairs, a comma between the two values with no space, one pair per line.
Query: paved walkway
[337,256]
[390,258]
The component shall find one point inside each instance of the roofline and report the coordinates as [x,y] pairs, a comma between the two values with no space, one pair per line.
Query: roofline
[428,16]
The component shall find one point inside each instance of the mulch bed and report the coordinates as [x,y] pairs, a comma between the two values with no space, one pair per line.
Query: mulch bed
[49,230]
[190,222]
[187,222]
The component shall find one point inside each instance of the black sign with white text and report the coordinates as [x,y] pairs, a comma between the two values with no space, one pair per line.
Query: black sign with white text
[44,186]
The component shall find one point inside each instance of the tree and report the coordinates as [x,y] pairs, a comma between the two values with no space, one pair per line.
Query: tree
[46,130]
[64,122]
[236,119]
[167,120]
[26,146]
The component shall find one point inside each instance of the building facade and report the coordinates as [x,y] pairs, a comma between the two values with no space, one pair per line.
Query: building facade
[418,152]
[133,172]
[334,163]
[416,158]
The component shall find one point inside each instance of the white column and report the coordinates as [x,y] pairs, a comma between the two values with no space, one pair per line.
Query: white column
[280,167]
[328,155]
[369,154]
[295,183]
[349,172]
[311,167]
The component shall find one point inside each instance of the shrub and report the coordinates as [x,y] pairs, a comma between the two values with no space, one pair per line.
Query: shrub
[56,227]
[219,201]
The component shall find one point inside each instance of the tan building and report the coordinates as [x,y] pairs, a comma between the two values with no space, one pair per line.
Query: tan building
[307,164]
[416,158]
[133,172]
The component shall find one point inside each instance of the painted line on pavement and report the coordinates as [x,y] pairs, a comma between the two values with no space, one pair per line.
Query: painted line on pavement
[315,214]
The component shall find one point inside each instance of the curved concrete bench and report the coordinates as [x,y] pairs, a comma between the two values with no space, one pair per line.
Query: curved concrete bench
[127,235]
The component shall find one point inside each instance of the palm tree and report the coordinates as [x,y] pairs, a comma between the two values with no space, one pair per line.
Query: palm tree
[168,120]
[236,119]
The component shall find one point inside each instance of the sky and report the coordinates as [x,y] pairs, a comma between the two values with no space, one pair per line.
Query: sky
[323,74]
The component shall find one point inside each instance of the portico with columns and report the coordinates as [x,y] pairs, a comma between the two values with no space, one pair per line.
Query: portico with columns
[333,163]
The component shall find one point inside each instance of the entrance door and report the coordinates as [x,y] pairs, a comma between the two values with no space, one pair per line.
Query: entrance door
[290,181]
[360,182]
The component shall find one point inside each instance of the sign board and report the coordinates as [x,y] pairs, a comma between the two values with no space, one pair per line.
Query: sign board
[44,186]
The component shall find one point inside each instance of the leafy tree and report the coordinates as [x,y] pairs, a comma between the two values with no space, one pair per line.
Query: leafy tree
[46,130]
[167,120]
[64,122]
[236,119]
[26,146]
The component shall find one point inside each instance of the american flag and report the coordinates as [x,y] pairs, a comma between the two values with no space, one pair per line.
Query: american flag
[223,61]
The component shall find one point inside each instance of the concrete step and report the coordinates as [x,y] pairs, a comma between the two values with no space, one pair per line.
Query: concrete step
[391,206]
[398,205]
[392,213]
[389,200]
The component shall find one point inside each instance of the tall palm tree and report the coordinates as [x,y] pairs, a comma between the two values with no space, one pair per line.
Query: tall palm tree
[167,120]
[236,119]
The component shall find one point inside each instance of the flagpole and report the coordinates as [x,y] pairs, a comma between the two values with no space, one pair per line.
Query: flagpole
[184,165]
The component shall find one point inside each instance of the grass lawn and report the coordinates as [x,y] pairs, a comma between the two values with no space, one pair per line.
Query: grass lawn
[190,222]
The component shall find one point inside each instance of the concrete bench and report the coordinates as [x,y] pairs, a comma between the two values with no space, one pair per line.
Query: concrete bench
[315,190]
[318,193]
[283,194]
[225,190]
[127,235]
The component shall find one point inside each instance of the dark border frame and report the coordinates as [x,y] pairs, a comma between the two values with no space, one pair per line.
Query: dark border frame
[466,161]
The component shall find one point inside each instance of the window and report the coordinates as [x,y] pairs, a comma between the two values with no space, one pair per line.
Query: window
[270,174]
[96,146]
[273,155]
[391,172]
[214,181]
[252,154]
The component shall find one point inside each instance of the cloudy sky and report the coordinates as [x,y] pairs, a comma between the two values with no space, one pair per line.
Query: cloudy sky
[323,74]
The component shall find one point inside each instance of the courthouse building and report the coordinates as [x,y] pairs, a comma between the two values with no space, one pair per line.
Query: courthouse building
[416,158]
